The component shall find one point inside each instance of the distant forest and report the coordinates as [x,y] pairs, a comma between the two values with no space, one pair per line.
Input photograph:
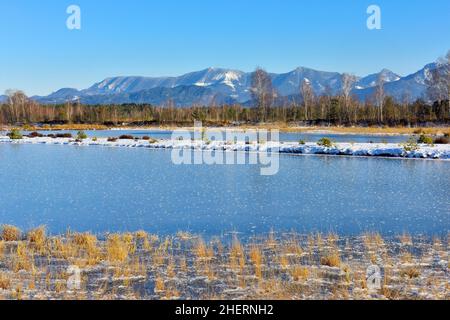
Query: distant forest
[324,111]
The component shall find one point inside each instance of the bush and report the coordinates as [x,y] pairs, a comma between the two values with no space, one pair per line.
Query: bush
[410,145]
[15,134]
[442,140]
[423,139]
[145,138]
[35,134]
[111,139]
[302,142]
[81,135]
[126,137]
[94,139]
[65,135]
[325,142]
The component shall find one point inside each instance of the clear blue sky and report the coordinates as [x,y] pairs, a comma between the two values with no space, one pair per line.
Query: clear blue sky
[167,37]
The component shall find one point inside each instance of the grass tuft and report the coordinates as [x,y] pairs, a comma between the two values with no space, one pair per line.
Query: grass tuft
[10,233]
[332,260]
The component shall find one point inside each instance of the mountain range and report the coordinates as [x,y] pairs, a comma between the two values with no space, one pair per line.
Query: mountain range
[219,86]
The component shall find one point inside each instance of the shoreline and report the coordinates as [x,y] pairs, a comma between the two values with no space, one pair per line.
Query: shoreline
[389,150]
[375,131]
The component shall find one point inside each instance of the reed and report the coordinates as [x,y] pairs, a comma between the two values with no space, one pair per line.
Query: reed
[10,233]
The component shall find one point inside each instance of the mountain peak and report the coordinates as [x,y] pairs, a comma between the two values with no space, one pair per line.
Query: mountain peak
[232,86]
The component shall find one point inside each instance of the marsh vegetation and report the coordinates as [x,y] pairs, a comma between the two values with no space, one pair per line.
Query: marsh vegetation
[140,265]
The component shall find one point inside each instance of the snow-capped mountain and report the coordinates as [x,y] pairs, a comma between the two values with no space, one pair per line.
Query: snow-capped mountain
[372,79]
[218,85]
[321,81]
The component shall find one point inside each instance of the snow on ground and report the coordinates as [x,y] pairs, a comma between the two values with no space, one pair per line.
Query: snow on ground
[348,149]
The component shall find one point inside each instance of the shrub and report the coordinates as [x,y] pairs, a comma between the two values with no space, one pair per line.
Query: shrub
[94,139]
[111,139]
[302,142]
[81,135]
[15,134]
[126,137]
[325,142]
[67,135]
[35,134]
[423,139]
[10,233]
[145,138]
[442,140]
[410,145]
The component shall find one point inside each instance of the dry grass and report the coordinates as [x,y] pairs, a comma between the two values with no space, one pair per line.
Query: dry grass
[406,239]
[273,266]
[68,127]
[38,238]
[10,233]
[5,281]
[256,258]
[159,285]
[299,273]
[2,249]
[202,251]
[381,130]
[23,260]
[332,260]
[116,248]
[411,272]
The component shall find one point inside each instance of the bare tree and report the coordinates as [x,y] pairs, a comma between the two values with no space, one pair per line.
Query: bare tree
[348,80]
[307,94]
[16,100]
[380,95]
[262,91]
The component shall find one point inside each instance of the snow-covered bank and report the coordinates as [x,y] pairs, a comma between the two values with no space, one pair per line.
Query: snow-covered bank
[348,149]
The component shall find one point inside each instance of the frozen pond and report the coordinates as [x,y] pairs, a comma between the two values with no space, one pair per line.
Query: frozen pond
[112,189]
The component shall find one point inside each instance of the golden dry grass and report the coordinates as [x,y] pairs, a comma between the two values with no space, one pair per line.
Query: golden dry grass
[10,233]
[116,248]
[299,273]
[58,127]
[38,238]
[23,260]
[273,266]
[5,281]
[256,257]
[332,260]
[411,272]
[2,249]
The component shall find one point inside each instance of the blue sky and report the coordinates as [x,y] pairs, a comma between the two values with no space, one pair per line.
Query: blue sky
[167,37]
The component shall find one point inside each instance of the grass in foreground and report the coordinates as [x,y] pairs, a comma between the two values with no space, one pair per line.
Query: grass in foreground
[139,265]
